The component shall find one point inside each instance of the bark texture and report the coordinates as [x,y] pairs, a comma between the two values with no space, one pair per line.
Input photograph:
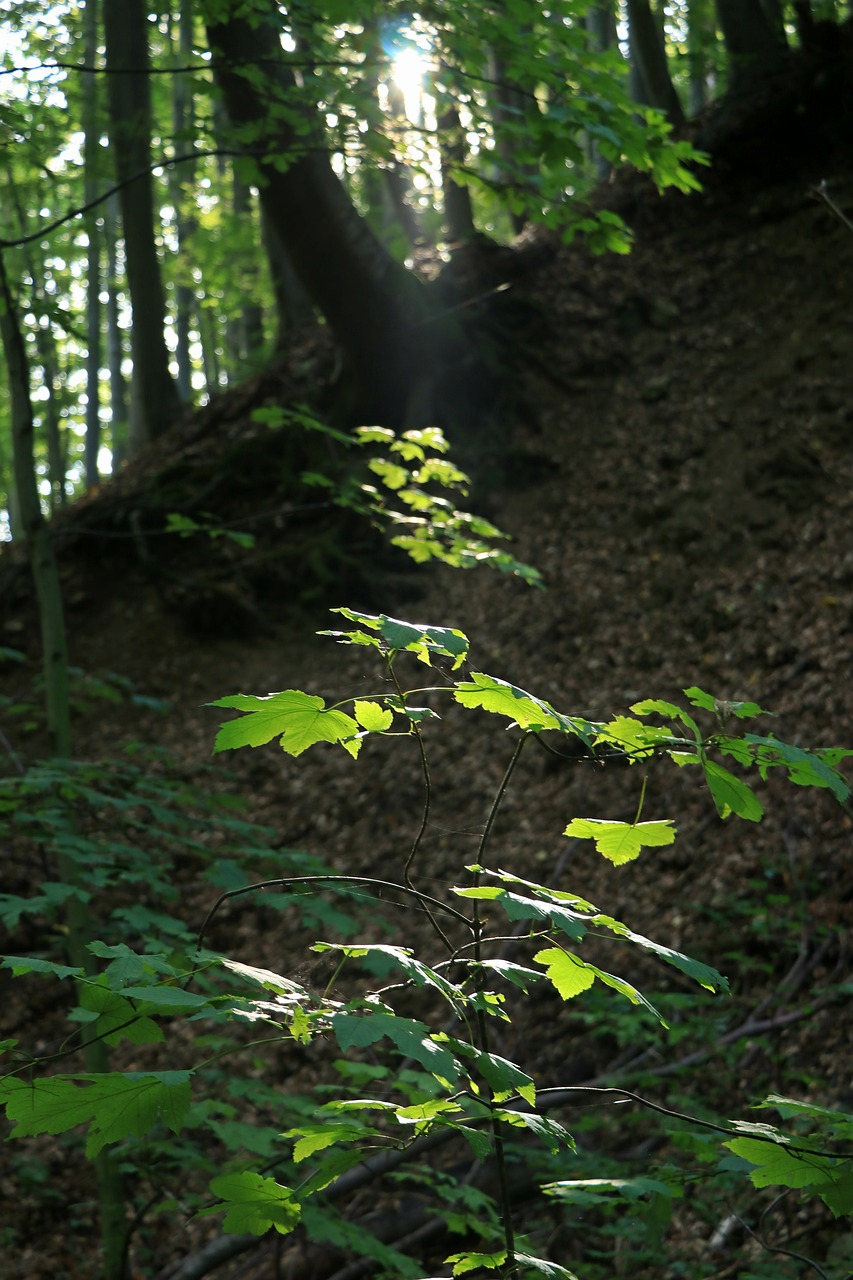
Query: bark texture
[154,396]
[381,316]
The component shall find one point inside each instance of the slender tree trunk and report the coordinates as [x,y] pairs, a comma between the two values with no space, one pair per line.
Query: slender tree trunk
[775,13]
[249,323]
[55,663]
[119,424]
[700,37]
[46,347]
[458,213]
[154,396]
[647,45]
[601,28]
[380,314]
[92,151]
[181,179]
[509,107]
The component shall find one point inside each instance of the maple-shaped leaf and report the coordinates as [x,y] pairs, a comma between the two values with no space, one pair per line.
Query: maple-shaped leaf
[632,736]
[298,719]
[254,1203]
[115,1105]
[566,972]
[621,842]
[777,1165]
[411,1037]
[395,635]
[491,694]
[371,716]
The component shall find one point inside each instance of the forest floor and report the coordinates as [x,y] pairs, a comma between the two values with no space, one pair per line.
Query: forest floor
[678,463]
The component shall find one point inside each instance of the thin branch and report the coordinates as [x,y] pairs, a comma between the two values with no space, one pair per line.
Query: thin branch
[777,1248]
[284,883]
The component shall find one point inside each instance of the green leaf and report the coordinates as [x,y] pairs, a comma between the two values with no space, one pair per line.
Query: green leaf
[805,768]
[707,977]
[116,1017]
[420,1114]
[731,795]
[299,719]
[396,636]
[636,739]
[411,1037]
[317,1137]
[567,973]
[264,977]
[518,974]
[621,842]
[391,475]
[776,1165]
[418,972]
[630,992]
[518,907]
[505,1078]
[462,1263]
[254,1203]
[20,965]
[372,717]
[720,707]
[114,1105]
[491,694]
[552,1134]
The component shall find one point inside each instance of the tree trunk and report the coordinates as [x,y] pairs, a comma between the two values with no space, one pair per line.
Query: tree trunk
[247,331]
[292,304]
[701,35]
[119,425]
[55,667]
[458,214]
[91,153]
[154,397]
[181,179]
[647,45]
[378,312]
[748,36]
[509,105]
[601,28]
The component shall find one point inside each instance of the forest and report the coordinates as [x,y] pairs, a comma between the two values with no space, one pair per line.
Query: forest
[426,494]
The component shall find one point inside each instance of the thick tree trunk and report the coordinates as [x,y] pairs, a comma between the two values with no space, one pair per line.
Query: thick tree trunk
[379,313]
[292,305]
[647,46]
[154,396]
[749,37]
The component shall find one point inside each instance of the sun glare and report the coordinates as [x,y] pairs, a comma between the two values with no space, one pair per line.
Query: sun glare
[407,72]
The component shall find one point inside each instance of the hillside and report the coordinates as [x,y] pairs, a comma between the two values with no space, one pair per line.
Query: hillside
[677,460]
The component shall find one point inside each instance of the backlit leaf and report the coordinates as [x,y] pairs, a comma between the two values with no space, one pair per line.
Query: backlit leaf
[491,694]
[621,842]
[371,716]
[298,719]
[566,972]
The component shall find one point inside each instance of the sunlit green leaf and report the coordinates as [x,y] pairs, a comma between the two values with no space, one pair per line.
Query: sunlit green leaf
[621,842]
